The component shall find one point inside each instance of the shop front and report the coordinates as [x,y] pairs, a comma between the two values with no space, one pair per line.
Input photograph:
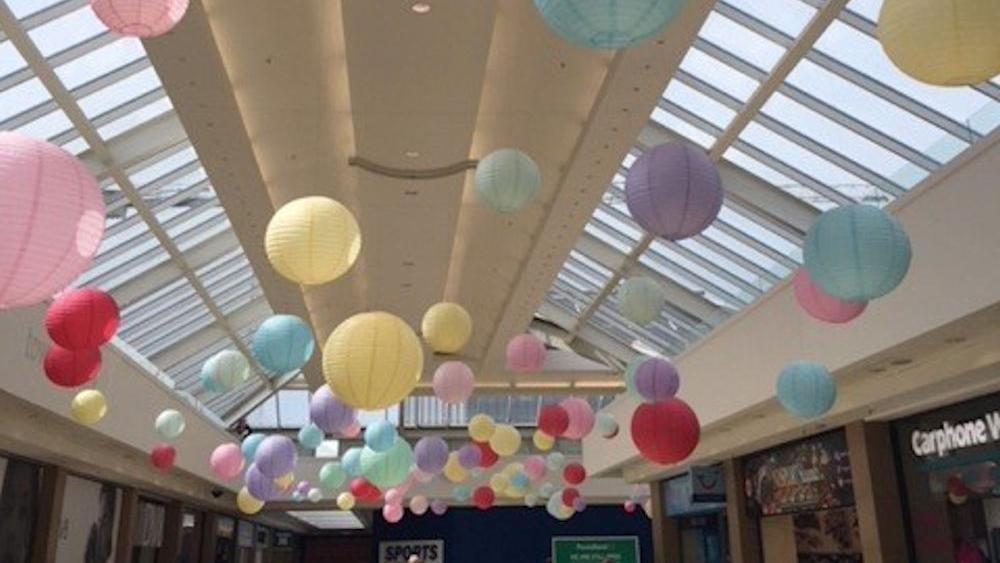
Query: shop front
[801,496]
[697,501]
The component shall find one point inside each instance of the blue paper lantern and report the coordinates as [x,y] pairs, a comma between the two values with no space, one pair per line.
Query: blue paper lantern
[461,493]
[507,180]
[283,344]
[249,446]
[351,462]
[380,435]
[806,389]
[310,436]
[608,24]
[857,252]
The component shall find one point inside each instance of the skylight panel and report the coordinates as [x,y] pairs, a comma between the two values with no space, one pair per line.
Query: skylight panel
[718,74]
[682,128]
[699,104]
[25,8]
[10,59]
[136,118]
[67,31]
[47,126]
[789,16]
[120,92]
[735,38]
[21,98]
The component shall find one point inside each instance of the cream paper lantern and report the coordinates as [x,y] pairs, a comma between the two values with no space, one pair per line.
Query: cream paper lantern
[446,327]
[640,300]
[247,503]
[481,427]
[506,440]
[312,240]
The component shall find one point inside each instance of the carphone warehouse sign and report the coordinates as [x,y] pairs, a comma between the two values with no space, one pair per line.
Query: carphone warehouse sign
[947,437]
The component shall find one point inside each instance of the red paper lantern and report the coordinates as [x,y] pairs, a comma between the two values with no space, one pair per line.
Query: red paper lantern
[163,456]
[489,456]
[364,491]
[574,474]
[553,420]
[82,318]
[483,497]
[71,368]
[665,432]
[569,496]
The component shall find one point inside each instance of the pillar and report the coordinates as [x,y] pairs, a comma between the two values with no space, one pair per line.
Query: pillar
[666,532]
[172,521]
[744,535]
[127,518]
[49,517]
[209,525]
[876,492]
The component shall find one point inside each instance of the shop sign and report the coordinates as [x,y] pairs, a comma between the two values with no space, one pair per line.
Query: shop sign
[948,437]
[282,538]
[429,551]
[707,484]
[699,491]
[601,549]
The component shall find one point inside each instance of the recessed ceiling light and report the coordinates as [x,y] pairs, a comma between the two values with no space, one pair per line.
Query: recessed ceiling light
[420,7]
[411,154]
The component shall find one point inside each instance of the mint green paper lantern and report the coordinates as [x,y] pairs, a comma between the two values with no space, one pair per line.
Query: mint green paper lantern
[310,436]
[389,468]
[640,300]
[806,389]
[608,24]
[857,252]
[332,475]
[507,180]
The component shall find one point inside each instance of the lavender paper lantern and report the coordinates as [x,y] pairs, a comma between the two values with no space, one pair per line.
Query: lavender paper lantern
[820,305]
[330,413]
[52,219]
[431,454]
[140,18]
[469,456]
[453,382]
[673,191]
[275,457]
[525,354]
[439,507]
[260,486]
[656,379]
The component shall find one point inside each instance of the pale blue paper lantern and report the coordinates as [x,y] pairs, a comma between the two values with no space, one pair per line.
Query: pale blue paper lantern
[224,371]
[461,493]
[640,300]
[806,389]
[380,435]
[507,180]
[351,462]
[608,24]
[283,344]
[857,252]
[249,446]
[310,436]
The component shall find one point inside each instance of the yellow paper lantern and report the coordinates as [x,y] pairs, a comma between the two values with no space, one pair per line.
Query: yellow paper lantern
[453,470]
[499,482]
[543,441]
[312,240]
[286,481]
[942,42]
[372,360]
[506,440]
[446,327]
[345,501]
[89,406]
[481,427]
[247,503]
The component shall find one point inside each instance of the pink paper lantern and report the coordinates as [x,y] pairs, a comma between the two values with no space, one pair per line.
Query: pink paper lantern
[453,382]
[820,304]
[581,418]
[53,219]
[226,461]
[139,18]
[525,354]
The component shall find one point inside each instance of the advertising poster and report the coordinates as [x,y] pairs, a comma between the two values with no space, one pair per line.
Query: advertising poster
[617,549]
[19,482]
[429,551]
[89,522]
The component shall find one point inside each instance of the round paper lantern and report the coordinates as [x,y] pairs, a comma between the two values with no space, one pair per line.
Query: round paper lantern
[226,461]
[380,435]
[942,42]
[314,495]
[453,470]
[534,467]
[453,382]
[89,407]
[363,490]
[353,430]
[372,360]
[345,501]
[419,505]
[446,327]
[574,473]
[351,460]
[247,503]
[394,496]
[506,440]
[461,493]
[640,300]
[329,413]
[71,368]
[530,501]
[312,240]
[225,370]
[170,424]
[555,461]
[483,498]
[629,506]
[310,436]
[469,456]
[283,344]
[557,509]
[81,319]
[481,427]
[806,389]
[488,457]
[499,482]
[507,180]
[665,432]
[553,420]
[392,513]
[285,481]
[569,496]
[439,507]
[430,454]
[332,475]
[546,490]
[608,24]
[656,379]
[673,191]
[275,456]
[579,504]
[525,354]
[139,18]
[581,418]
[606,425]
[302,487]
[857,252]
[542,441]
[250,444]
[820,305]
[520,481]
[53,219]
[162,457]
[629,375]
[389,468]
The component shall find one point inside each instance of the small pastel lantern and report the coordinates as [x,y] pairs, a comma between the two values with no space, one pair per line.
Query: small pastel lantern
[665,432]
[275,456]
[389,468]
[314,495]
[439,507]
[372,360]
[942,42]
[419,505]
[329,413]
[89,407]
[260,486]
[640,300]
[806,389]
[581,418]
[283,344]
[606,425]
[53,219]
[820,305]
[608,24]
[430,454]
[311,436]
[312,240]
[225,370]
[453,470]
[506,440]
[553,420]
[71,368]
[507,180]
[857,252]
[499,482]
[446,327]
[380,436]
[332,475]
[461,493]
[351,460]
[392,513]
[483,498]
[162,457]
[139,18]
[250,444]
[656,379]
[674,191]
[534,467]
[453,382]
[525,354]
[469,456]
[247,503]
[556,508]
[345,501]
[170,424]
[81,319]
[481,427]
[555,461]
[542,441]
[226,461]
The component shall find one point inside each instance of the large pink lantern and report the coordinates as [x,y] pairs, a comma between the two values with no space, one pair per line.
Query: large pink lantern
[51,219]
[581,418]
[820,304]
[525,354]
[139,18]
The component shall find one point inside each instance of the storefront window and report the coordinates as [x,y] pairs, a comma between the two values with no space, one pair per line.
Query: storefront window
[697,500]
[19,485]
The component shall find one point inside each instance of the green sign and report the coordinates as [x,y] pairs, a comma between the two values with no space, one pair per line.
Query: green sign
[596,549]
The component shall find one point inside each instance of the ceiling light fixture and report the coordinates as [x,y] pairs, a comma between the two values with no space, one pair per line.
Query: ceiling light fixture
[411,154]
[420,8]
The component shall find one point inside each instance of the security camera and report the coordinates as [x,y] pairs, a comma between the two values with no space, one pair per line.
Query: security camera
[216,493]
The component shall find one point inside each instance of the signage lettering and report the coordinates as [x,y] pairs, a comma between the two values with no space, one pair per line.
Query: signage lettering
[429,551]
[950,437]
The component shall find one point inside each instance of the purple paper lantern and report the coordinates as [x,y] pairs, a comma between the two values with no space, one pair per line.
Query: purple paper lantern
[656,379]
[260,486]
[673,191]
[469,456]
[431,454]
[329,413]
[439,507]
[275,457]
